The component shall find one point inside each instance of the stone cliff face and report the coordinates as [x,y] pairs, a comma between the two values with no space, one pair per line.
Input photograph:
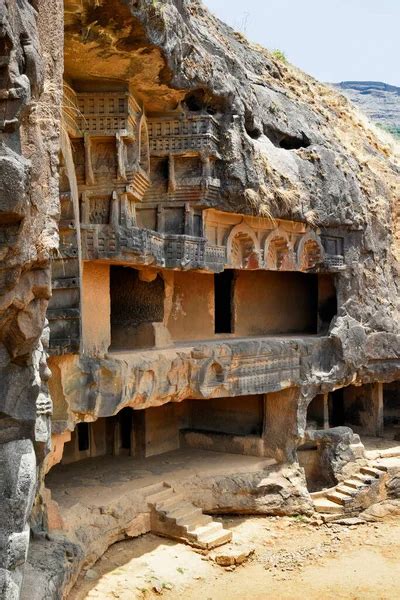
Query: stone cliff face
[30,96]
[290,148]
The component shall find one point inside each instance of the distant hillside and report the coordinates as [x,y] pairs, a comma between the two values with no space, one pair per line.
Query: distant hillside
[379,101]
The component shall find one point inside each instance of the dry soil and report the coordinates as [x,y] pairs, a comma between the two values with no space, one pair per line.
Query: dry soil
[294,558]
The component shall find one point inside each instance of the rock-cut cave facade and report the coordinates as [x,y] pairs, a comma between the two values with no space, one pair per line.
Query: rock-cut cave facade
[217,316]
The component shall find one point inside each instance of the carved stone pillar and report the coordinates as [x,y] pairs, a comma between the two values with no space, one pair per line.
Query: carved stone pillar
[89,176]
[120,156]
[171,174]
[114,213]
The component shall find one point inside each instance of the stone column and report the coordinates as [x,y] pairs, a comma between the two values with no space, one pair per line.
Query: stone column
[326,411]
[114,216]
[171,174]
[89,175]
[280,429]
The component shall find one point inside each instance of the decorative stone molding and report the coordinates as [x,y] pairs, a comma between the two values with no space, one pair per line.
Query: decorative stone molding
[107,113]
[278,252]
[145,378]
[243,248]
[310,252]
[113,130]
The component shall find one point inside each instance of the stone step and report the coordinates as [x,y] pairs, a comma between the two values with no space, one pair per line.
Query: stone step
[371,471]
[195,521]
[174,517]
[156,498]
[214,540]
[210,536]
[365,479]
[184,511]
[323,505]
[339,498]
[356,484]
[344,488]
[154,488]
[206,530]
[171,503]
[381,468]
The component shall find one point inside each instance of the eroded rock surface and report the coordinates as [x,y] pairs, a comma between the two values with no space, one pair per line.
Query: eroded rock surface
[30,96]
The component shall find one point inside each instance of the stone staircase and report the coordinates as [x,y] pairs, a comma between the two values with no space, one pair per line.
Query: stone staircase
[174,517]
[351,496]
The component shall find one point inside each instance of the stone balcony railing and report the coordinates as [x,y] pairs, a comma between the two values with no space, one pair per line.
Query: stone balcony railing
[144,246]
[183,133]
[334,262]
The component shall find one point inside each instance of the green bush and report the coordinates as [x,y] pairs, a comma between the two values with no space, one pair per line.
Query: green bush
[279,55]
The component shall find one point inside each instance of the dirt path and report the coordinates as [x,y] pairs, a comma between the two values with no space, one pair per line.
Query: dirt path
[292,560]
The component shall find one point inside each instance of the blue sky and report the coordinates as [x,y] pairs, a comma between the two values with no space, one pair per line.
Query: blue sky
[334,40]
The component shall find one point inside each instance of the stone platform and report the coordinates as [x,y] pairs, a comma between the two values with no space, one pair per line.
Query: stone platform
[94,503]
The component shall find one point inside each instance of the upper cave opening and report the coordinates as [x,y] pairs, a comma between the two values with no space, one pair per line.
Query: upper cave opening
[199,100]
[251,128]
[285,140]
[254,132]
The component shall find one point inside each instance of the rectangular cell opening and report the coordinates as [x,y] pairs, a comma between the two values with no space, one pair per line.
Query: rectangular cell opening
[83,436]
[241,415]
[136,305]
[125,428]
[336,408]
[327,301]
[223,293]
[275,303]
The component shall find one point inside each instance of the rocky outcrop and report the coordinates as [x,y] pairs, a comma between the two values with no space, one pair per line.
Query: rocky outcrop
[30,96]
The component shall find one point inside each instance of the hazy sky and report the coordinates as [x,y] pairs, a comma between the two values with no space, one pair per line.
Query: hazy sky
[334,40]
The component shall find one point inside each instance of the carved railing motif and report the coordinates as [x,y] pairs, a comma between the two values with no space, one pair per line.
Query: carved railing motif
[144,246]
[107,112]
[184,133]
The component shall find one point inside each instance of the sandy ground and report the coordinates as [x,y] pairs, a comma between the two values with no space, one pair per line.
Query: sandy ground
[293,559]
